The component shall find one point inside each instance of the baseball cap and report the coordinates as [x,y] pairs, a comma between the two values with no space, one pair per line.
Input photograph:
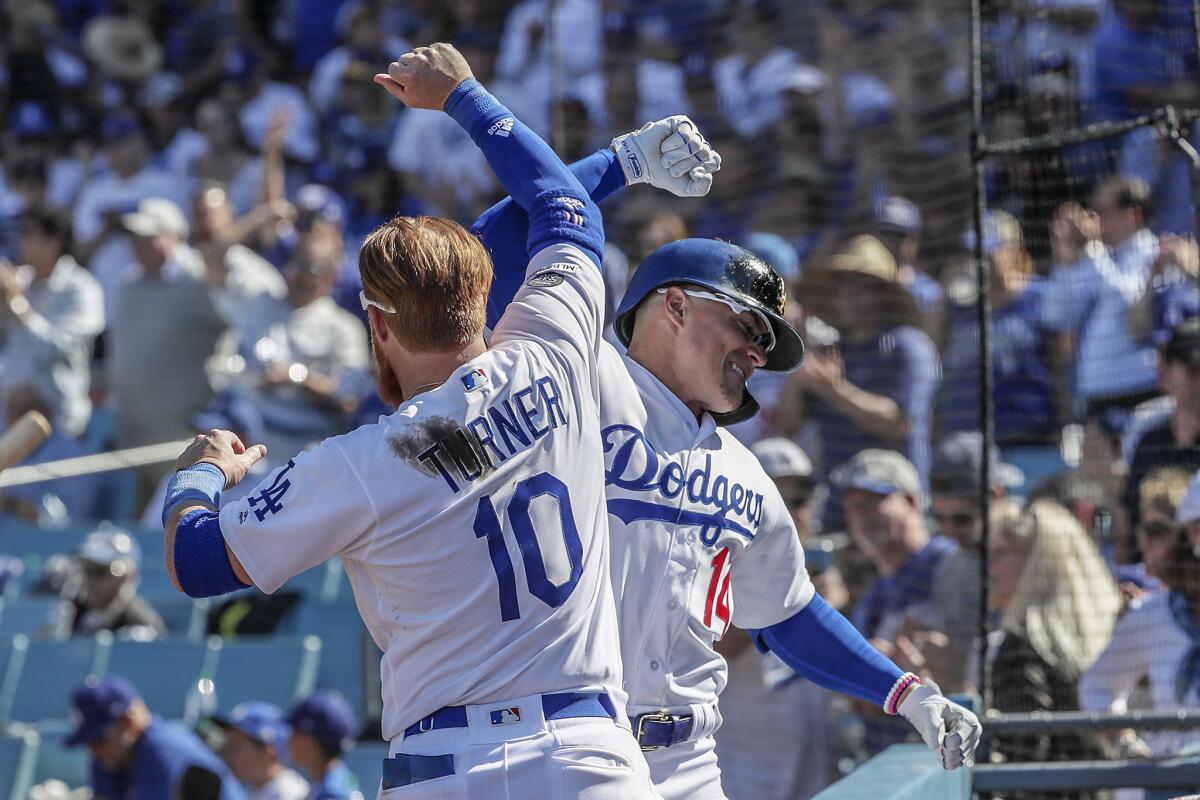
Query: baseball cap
[262,722]
[897,214]
[879,471]
[782,458]
[96,705]
[1184,343]
[957,462]
[1189,507]
[327,717]
[156,216]
[120,125]
[110,546]
[999,229]
[31,120]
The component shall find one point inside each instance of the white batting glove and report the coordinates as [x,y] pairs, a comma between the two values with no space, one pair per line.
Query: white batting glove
[950,731]
[668,154]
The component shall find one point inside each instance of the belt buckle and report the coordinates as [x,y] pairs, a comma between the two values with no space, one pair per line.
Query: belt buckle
[421,724]
[653,716]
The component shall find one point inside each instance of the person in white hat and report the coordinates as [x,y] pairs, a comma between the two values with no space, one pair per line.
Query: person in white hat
[105,596]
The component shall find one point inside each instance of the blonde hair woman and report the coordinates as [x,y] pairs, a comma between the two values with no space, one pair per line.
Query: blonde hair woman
[1058,604]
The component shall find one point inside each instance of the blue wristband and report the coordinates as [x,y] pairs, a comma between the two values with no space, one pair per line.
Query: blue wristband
[203,482]
[201,563]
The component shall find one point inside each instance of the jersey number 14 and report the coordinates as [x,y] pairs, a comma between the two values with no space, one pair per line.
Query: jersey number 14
[487,524]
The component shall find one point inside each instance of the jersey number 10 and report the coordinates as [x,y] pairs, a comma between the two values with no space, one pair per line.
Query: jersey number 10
[487,524]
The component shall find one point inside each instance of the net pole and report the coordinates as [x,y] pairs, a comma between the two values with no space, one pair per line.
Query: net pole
[984,313]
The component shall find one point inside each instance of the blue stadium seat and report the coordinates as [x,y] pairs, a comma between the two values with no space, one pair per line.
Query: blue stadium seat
[41,688]
[33,543]
[275,669]
[18,759]
[154,579]
[366,761]
[184,617]
[344,643]
[323,583]
[165,672]
[71,765]
[32,616]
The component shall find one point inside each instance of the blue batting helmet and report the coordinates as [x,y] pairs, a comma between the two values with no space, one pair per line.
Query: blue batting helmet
[725,269]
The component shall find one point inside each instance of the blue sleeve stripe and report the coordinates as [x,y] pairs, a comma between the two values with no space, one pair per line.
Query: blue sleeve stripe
[825,648]
[201,563]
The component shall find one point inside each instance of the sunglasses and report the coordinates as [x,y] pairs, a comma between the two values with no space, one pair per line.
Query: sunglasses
[365,301]
[960,519]
[765,340]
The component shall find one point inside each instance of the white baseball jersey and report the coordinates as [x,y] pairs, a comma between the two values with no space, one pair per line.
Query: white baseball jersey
[471,522]
[701,540]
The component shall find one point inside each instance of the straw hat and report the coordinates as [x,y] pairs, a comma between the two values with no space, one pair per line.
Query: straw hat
[122,47]
[862,255]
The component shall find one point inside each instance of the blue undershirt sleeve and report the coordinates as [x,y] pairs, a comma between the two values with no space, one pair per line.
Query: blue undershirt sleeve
[559,209]
[822,645]
[504,228]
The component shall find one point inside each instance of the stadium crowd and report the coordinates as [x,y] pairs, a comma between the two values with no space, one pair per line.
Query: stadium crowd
[184,186]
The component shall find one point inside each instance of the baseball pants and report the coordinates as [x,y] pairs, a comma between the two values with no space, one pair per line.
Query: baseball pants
[687,771]
[589,758]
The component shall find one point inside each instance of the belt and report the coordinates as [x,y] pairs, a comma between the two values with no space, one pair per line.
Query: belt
[404,769]
[658,729]
[560,705]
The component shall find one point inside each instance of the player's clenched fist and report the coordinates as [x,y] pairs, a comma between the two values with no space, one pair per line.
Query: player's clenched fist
[425,77]
[225,451]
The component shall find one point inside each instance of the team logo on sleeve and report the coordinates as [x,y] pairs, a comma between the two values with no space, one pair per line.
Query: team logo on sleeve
[475,379]
[502,128]
[545,279]
[269,500]
[506,716]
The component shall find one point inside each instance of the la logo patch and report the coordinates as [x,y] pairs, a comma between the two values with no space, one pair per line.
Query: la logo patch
[506,716]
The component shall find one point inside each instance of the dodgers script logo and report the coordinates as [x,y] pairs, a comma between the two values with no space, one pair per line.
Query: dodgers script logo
[634,465]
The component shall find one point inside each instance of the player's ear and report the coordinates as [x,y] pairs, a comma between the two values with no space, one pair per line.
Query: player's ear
[380,332]
[675,302]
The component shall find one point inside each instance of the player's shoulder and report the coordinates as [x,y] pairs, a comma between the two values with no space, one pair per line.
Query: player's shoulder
[735,453]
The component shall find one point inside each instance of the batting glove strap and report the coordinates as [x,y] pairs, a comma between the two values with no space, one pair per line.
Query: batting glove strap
[949,730]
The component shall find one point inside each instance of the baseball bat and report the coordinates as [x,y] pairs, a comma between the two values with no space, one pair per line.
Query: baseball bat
[22,438]
[99,462]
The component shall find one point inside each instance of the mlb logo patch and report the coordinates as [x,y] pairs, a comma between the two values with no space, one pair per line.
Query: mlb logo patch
[503,128]
[475,379]
[506,716]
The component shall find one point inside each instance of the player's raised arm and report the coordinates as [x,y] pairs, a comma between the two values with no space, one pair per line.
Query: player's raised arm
[669,154]
[560,211]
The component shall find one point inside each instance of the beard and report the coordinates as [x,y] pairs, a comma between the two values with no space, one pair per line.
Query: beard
[386,382]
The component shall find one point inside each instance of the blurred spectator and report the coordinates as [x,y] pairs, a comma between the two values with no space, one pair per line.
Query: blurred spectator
[103,594]
[1028,392]
[165,329]
[254,747]
[177,144]
[764,700]
[103,246]
[239,273]
[53,311]
[266,100]
[896,223]
[225,157]
[955,494]
[526,45]
[1160,495]
[1102,268]
[122,45]
[885,515]
[885,507]
[1148,59]
[1058,604]
[876,389]
[364,38]
[748,80]
[49,503]
[136,754]
[323,728]
[1175,442]
[1157,640]
[308,357]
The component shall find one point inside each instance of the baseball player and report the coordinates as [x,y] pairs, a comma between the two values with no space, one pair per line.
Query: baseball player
[471,522]
[701,537]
